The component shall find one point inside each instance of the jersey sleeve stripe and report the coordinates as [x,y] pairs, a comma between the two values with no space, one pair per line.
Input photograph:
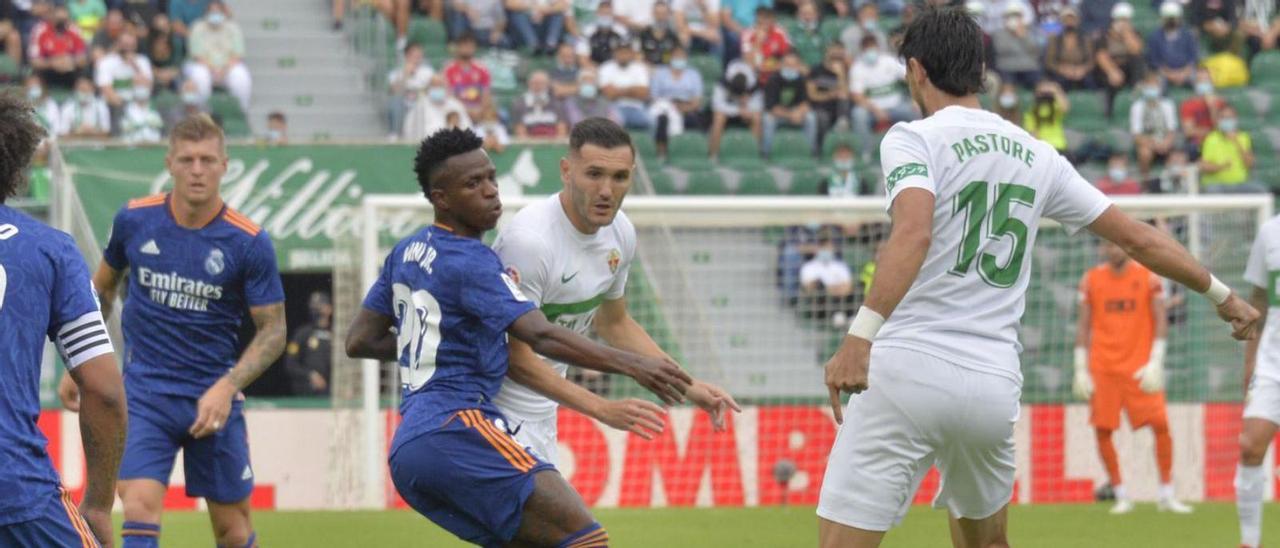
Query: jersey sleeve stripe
[238,220]
[71,327]
[67,333]
[148,201]
[85,339]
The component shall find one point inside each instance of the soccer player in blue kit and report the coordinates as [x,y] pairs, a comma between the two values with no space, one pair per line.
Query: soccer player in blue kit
[442,306]
[45,292]
[194,266]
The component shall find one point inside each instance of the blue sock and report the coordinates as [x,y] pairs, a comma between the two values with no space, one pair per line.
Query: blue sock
[139,534]
[591,536]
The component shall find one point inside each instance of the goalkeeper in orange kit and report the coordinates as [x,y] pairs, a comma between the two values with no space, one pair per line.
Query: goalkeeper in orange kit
[1119,364]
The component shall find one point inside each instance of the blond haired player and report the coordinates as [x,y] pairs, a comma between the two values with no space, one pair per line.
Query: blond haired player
[942,380]
[1119,364]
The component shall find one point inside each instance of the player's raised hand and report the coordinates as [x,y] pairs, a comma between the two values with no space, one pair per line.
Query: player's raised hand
[1242,316]
[213,409]
[847,371]
[69,393]
[663,377]
[714,400]
[637,416]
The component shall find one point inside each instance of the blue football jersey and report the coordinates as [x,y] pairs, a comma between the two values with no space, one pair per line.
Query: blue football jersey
[452,304]
[45,292]
[187,293]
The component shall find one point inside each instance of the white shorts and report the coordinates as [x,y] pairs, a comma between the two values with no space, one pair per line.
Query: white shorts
[538,435]
[920,411]
[1263,400]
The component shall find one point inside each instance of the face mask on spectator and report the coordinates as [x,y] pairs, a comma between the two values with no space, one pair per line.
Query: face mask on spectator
[216,18]
[436,95]
[605,20]
[844,164]
[34,93]
[1227,125]
[125,95]
[869,23]
[541,96]
[825,255]
[1204,88]
[1008,100]
[588,91]
[679,63]
[870,56]
[274,136]
[1117,174]
[190,98]
[84,96]
[809,25]
[141,93]
[789,73]
[1150,92]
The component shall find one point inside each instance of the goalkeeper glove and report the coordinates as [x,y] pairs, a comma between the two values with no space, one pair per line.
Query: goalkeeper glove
[1082,384]
[1151,376]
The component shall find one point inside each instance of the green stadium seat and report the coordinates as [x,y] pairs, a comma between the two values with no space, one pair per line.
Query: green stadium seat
[663,183]
[705,182]
[1088,111]
[1263,147]
[9,69]
[1265,67]
[427,31]
[739,145]
[791,145]
[834,139]
[708,66]
[804,182]
[757,182]
[831,28]
[689,147]
[643,142]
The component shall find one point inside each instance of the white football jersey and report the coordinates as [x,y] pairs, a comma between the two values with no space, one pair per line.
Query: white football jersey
[1262,270]
[566,273]
[992,183]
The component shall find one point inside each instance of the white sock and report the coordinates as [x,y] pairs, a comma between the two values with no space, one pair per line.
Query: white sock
[1121,494]
[1250,488]
[1166,491]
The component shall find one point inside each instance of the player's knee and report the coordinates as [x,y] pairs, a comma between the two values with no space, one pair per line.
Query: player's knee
[140,506]
[1252,452]
[235,536]
[591,536]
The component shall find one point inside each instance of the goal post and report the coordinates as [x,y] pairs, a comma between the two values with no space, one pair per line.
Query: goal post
[716,283]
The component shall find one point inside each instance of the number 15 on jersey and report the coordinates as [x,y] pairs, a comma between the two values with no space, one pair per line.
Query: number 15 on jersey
[995,223]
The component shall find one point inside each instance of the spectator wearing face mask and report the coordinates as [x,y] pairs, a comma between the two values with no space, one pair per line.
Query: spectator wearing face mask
[491,131]
[677,100]
[826,85]
[786,102]
[826,285]
[876,86]
[118,70]
[1017,49]
[84,115]
[588,103]
[535,115]
[1069,56]
[58,52]
[1046,116]
[659,39]
[1008,105]
[140,123]
[47,111]
[277,129]
[1118,179]
[1177,173]
[1200,111]
[602,36]
[625,81]
[736,99]
[1119,53]
[807,42]
[1226,158]
[216,53]
[190,104]
[842,181]
[1153,125]
[406,83]
[1172,49]
[431,112]
[867,24]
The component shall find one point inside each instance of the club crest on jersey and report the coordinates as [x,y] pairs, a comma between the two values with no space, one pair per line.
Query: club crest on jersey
[215,263]
[615,258]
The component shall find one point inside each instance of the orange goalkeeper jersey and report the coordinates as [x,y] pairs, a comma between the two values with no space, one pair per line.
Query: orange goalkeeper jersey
[1121,328]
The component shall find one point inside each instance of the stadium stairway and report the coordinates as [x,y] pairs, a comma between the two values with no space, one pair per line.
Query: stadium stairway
[696,274]
[304,69]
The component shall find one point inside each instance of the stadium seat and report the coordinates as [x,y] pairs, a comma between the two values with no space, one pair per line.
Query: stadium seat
[9,69]
[833,140]
[705,182]
[663,182]
[831,28]
[739,145]
[1265,67]
[708,66]
[804,182]
[427,31]
[689,147]
[1088,111]
[756,182]
[791,146]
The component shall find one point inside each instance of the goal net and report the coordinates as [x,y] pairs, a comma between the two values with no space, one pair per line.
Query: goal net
[717,282]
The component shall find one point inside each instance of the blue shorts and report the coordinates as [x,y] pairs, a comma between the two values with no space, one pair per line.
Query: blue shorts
[468,476]
[217,466]
[56,523]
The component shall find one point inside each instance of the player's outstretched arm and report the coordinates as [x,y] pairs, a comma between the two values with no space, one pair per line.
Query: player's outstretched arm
[265,348]
[616,326]
[1259,300]
[896,269]
[106,281]
[633,415]
[1166,257]
[370,337]
[103,423]
[660,376]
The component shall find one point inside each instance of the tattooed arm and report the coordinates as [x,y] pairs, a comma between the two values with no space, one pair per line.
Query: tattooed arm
[266,347]
[103,423]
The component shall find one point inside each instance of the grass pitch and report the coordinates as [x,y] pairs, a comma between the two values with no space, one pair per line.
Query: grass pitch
[1036,525]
